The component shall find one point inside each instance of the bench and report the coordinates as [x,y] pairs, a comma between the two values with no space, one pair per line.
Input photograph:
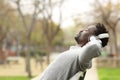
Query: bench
[15,59]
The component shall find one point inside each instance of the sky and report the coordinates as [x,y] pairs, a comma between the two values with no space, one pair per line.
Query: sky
[73,7]
[69,8]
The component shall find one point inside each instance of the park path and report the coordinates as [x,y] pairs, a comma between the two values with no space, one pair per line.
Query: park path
[92,73]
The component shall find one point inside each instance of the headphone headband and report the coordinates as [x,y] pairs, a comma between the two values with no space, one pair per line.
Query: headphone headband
[104,35]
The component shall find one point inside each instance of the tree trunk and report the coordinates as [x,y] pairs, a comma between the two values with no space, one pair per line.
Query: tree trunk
[49,50]
[0,51]
[115,62]
[111,43]
[115,43]
[48,54]
[48,57]
[28,66]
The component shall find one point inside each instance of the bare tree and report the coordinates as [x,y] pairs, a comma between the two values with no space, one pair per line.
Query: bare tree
[50,30]
[42,8]
[109,15]
[6,13]
[28,29]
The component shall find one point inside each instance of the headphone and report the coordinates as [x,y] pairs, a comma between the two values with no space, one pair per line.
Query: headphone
[104,35]
[100,36]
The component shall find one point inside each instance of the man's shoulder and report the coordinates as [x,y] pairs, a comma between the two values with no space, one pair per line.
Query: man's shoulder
[75,47]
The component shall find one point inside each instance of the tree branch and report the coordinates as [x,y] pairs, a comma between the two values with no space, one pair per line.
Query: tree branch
[21,14]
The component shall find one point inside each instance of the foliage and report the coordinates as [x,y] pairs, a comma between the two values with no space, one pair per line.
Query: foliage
[58,41]
[109,73]
[13,78]
[41,52]
[69,34]
[105,53]
[38,37]
[5,14]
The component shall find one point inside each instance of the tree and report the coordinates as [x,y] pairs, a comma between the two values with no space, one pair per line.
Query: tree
[42,11]
[109,15]
[50,30]
[6,15]
[38,38]
[28,29]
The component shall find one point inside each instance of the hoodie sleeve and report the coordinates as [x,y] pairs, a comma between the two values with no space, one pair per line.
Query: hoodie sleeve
[91,50]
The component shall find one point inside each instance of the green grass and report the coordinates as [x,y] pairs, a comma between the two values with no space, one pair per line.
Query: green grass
[109,73]
[13,78]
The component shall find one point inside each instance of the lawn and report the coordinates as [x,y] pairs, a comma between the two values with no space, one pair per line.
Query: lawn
[13,78]
[109,73]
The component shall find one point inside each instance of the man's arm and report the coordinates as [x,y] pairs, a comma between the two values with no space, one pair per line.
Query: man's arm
[90,50]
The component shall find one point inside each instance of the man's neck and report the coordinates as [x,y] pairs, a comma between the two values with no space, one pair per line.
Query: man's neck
[82,44]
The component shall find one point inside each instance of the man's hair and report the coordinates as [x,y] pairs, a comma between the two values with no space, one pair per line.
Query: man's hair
[101,29]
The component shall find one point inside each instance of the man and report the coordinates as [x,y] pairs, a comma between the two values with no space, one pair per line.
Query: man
[78,58]
[101,33]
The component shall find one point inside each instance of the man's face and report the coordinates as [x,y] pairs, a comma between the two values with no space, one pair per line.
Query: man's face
[86,33]
[83,36]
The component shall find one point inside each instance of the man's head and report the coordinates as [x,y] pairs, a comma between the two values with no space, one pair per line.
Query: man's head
[92,30]
[82,37]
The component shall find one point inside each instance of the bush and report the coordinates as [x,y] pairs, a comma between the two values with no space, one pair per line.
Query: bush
[41,52]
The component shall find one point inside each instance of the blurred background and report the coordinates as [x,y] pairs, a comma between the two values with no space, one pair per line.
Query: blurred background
[34,32]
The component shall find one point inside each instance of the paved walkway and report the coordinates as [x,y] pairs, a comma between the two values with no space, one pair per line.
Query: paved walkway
[92,73]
